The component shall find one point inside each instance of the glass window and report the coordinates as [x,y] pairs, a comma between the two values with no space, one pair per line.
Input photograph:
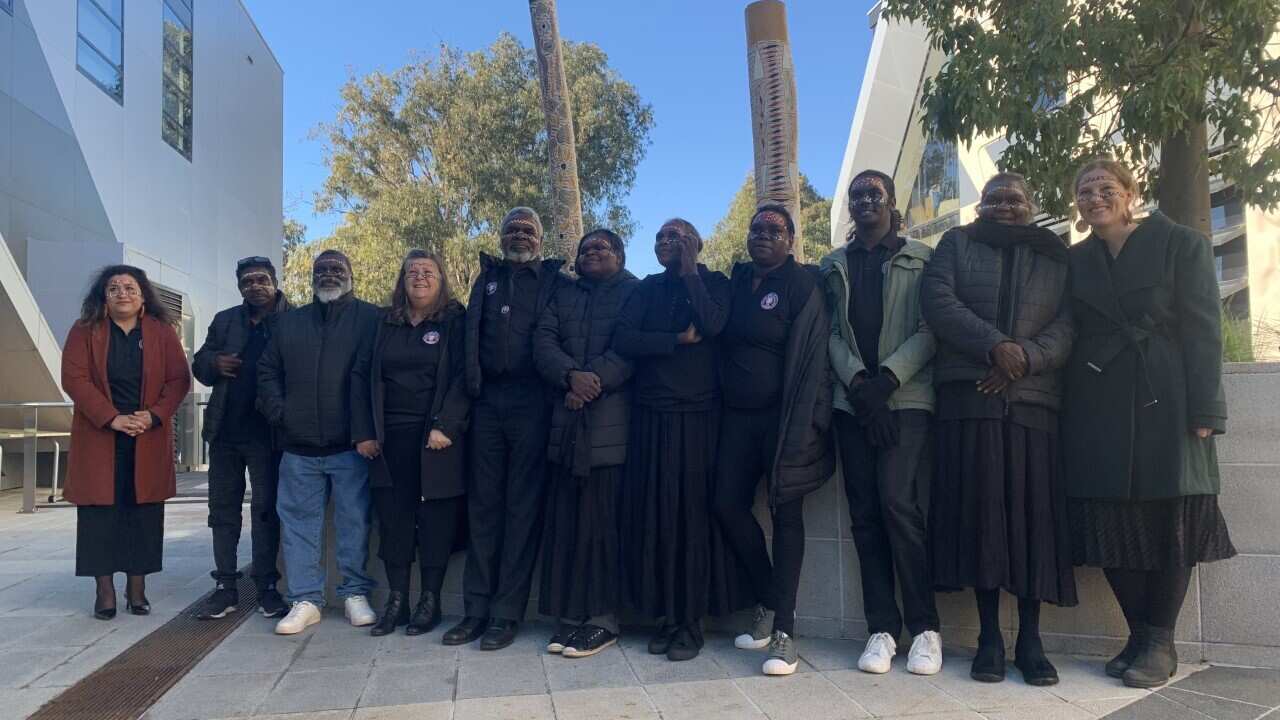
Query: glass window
[176,89]
[936,190]
[100,44]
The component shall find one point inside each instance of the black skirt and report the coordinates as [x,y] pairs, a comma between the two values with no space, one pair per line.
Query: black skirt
[126,537]
[581,573]
[998,516]
[1151,535]
[676,564]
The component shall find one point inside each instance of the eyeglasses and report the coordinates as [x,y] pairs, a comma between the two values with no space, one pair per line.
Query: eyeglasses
[415,275]
[1103,194]
[670,237]
[123,291]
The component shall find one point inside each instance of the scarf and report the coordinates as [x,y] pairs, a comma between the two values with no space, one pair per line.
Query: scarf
[1001,236]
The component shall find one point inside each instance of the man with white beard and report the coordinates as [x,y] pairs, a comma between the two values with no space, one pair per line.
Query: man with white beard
[313,387]
[508,443]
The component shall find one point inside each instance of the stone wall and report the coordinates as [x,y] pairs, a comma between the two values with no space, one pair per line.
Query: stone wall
[1230,614]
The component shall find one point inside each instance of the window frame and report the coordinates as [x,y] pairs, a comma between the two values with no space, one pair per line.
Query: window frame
[173,85]
[117,95]
[7,6]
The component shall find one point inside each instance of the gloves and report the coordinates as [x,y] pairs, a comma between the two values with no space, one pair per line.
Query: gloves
[882,428]
[871,394]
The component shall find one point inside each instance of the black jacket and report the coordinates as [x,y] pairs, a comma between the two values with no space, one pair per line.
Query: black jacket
[313,378]
[228,333]
[804,458]
[575,332]
[960,300]
[549,275]
[443,471]
[1147,367]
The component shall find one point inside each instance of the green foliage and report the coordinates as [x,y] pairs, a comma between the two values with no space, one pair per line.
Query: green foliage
[727,243]
[1066,80]
[433,155]
[1237,340]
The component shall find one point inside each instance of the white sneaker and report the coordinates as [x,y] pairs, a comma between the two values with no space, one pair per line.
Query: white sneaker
[925,657]
[359,612]
[301,616]
[878,657]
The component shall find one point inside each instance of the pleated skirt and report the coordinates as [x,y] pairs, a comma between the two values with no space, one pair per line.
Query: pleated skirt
[126,537]
[998,516]
[581,556]
[1149,535]
[676,565]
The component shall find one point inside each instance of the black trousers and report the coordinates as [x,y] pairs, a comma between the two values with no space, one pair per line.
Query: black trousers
[888,493]
[748,441]
[504,501]
[228,462]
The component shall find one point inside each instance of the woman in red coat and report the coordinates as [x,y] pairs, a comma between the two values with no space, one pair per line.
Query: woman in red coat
[124,368]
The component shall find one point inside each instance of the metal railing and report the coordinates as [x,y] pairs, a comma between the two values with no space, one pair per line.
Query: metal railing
[31,434]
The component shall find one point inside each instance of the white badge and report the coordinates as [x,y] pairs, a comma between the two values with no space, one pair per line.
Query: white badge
[491,288]
[769,302]
[431,338]
[506,309]
[139,344]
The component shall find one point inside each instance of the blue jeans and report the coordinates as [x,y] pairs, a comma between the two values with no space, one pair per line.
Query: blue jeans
[305,484]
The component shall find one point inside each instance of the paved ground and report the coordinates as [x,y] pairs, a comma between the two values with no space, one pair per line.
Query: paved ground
[48,641]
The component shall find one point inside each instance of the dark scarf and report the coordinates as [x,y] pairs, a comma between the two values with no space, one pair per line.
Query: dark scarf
[1001,236]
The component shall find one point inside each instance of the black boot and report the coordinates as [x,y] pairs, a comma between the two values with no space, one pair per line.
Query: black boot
[1156,662]
[1118,664]
[426,616]
[988,664]
[394,614]
[1030,660]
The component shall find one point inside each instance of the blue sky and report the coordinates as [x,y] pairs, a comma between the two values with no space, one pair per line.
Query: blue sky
[687,58]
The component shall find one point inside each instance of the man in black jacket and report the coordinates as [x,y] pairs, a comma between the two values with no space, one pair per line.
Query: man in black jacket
[508,433]
[240,439]
[313,387]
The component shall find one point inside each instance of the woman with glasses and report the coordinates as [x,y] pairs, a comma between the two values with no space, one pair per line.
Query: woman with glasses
[587,447]
[1144,401]
[676,565]
[995,296]
[775,381]
[420,412]
[124,367]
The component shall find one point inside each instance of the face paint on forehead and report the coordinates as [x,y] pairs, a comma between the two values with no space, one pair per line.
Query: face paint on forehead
[868,182]
[772,217]
[1006,187]
[519,224]
[1099,176]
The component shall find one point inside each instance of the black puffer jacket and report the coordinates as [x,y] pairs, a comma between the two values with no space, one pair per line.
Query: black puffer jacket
[960,300]
[313,378]
[575,332]
[228,333]
[548,277]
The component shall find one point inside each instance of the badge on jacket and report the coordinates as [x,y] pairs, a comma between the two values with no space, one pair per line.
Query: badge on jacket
[491,288]
[769,302]
[431,338]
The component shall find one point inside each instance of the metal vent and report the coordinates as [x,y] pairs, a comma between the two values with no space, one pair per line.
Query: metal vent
[171,298]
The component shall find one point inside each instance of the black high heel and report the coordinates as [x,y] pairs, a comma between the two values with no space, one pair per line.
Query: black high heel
[103,613]
[142,608]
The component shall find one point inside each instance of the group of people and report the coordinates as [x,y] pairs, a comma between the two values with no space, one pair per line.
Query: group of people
[1004,407]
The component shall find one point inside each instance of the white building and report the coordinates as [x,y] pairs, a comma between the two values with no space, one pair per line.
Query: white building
[147,132]
[938,183]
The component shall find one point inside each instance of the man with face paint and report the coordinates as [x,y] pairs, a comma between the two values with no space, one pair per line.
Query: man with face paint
[313,387]
[777,410]
[240,439]
[508,442]
[881,352]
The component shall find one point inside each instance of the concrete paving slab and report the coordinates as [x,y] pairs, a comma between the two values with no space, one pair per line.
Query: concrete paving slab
[248,655]
[421,711]
[1155,707]
[705,700]
[800,697]
[500,677]
[1048,712]
[657,669]
[196,698]
[1215,707]
[606,669]
[400,648]
[410,684]
[604,704]
[317,690]
[1260,687]
[895,693]
[23,665]
[526,707]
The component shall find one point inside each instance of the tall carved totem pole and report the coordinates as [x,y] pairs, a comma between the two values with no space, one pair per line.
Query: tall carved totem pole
[561,237]
[772,81]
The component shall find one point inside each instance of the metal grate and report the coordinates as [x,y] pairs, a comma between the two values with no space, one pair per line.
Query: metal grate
[135,679]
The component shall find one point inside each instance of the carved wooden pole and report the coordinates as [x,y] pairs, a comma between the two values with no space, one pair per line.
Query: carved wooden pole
[772,81]
[562,234]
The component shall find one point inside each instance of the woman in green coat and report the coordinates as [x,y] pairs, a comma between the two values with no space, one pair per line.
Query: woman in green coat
[1143,402]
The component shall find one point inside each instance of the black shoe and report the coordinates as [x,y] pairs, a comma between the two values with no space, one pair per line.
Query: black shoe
[426,616]
[660,643]
[1030,660]
[103,613]
[555,645]
[466,631]
[988,664]
[1118,664]
[686,644]
[224,600]
[588,640]
[142,607]
[500,634]
[394,614]
[1156,662]
[270,604]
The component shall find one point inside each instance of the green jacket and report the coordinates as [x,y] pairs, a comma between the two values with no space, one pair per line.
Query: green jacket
[1146,369]
[906,342]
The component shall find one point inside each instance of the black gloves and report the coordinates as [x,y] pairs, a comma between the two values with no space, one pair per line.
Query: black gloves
[882,428]
[870,395]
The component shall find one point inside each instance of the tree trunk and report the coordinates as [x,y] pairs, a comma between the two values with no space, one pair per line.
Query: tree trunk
[1183,193]
[562,235]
